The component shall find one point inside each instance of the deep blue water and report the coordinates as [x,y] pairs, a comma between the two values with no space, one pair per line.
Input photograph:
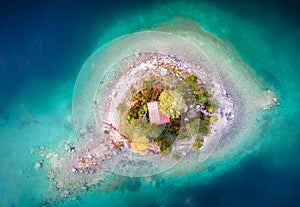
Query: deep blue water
[46,42]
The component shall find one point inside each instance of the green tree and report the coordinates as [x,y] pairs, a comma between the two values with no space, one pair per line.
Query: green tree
[171,103]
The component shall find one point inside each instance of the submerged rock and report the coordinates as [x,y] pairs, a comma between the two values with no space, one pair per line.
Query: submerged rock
[38,165]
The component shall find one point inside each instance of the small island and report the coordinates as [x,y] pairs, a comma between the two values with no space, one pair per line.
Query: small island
[155,102]
[159,110]
[152,103]
[157,114]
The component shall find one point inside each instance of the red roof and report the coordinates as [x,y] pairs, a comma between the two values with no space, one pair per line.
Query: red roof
[156,117]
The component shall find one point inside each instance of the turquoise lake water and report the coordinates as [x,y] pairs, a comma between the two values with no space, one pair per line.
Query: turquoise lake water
[43,47]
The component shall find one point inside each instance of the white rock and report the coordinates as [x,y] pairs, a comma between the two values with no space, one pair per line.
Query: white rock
[48,156]
[67,147]
[163,71]
[37,165]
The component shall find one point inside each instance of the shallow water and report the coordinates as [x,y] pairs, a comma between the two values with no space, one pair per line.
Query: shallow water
[43,47]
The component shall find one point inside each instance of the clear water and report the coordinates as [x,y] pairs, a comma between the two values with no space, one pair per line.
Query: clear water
[43,47]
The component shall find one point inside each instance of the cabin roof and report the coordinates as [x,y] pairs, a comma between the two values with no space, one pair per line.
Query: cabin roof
[155,116]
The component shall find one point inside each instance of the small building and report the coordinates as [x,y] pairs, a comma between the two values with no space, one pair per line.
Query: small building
[155,116]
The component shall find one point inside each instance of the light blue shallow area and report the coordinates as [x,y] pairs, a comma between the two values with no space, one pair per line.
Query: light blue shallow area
[264,175]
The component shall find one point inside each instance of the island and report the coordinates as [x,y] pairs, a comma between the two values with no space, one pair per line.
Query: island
[152,103]
[156,113]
